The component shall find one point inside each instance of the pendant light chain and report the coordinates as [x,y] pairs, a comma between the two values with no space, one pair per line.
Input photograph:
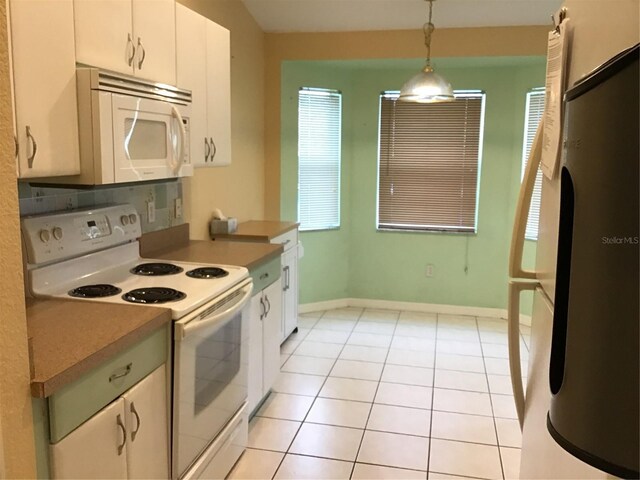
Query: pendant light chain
[428,29]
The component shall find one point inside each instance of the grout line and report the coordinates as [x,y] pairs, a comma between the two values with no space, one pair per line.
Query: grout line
[326,377]
[495,426]
[355,460]
[372,403]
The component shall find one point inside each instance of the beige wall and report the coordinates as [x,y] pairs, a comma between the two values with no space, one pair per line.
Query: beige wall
[16,430]
[238,190]
[451,42]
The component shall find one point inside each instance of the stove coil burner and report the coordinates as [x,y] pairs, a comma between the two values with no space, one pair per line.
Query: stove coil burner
[95,291]
[207,272]
[156,269]
[153,295]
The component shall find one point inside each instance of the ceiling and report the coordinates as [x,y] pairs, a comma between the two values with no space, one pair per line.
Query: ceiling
[353,15]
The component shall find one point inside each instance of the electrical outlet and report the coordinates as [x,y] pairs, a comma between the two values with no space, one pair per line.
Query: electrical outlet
[177,207]
[429,271]
[151,211]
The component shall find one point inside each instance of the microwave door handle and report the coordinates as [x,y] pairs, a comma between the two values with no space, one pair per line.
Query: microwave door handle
[191,327]
[175,165]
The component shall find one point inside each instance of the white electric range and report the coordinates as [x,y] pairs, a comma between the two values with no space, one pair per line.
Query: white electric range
[93,255]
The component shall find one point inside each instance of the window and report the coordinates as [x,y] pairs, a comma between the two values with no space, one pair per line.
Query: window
[429,159]
[533,113]
[319,125]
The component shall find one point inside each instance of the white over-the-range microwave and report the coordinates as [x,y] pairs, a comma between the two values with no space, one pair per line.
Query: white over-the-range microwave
[130,129]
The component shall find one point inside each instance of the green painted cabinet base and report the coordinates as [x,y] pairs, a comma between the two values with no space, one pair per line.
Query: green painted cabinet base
[77,402]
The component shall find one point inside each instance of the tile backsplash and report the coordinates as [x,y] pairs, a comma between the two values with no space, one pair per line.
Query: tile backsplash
[35,200]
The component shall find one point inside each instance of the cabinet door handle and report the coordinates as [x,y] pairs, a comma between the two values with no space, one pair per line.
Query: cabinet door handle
[124,434]
[215,149]
[207,149]
[125,371]
[144,54]
[263,313]
[15,140]
[286,278]
[268,305]
[34,147]
[133,50]
[138,422]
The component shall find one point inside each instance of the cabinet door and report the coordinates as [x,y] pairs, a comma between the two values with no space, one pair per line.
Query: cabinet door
[289,291]
[219,93]
[104,36]
[44,76]
[96,449]
[154,31]
[147,427]
[255,351]
[271,335]
[191,66]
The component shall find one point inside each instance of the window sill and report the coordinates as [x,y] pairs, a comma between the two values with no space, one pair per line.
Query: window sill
[437,232]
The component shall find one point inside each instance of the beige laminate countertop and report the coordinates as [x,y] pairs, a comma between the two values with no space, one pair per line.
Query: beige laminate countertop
[258,231]
[174,244]
[67,338]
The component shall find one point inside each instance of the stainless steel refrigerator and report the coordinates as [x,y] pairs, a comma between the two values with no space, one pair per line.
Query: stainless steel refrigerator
[579,414]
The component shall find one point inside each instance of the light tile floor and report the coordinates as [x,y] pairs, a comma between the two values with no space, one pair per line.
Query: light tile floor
[381,394]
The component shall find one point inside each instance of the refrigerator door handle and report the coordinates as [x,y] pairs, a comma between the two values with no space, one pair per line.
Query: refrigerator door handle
[513,323]
[522,209]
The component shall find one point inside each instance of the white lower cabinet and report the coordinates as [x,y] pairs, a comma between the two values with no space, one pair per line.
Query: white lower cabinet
[146,413]
[289,241]
[264,342]
[126,439]
[96,449]
[289,291]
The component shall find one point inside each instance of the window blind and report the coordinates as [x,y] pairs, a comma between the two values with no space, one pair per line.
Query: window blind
[429,156]
[319,129]
[533,113]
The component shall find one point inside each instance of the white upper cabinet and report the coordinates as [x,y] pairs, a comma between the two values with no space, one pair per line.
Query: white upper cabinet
[191,63]
[135,37]
[154,29]
[203,66]
[219,94]
[44,84]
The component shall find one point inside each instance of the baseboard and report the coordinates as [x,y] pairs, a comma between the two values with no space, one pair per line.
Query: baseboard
[410,306]
[326,305]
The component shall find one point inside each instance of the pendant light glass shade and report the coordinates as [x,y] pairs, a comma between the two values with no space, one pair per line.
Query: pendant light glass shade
[426,87]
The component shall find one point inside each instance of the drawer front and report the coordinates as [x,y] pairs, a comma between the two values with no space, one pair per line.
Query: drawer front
[265,274]
[287,240]
[77,402]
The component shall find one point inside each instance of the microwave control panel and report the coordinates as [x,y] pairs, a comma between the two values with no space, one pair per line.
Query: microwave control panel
[59,236]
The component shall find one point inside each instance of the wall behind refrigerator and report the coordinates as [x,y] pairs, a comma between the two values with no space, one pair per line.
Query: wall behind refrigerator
[358,261]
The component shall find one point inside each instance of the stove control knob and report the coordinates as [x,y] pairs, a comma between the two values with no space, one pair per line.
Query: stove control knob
[124,219]
[45,236]
[57,233]
[133,218]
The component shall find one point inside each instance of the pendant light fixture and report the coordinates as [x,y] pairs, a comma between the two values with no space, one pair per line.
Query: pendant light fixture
[427,86]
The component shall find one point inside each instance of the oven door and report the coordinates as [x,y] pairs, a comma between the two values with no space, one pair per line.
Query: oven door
[150,139]
[210,373]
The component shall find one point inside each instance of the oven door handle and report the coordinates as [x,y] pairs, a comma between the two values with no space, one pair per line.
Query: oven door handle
[184,328]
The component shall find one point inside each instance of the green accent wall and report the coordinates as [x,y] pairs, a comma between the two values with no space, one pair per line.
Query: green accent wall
[358,261]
